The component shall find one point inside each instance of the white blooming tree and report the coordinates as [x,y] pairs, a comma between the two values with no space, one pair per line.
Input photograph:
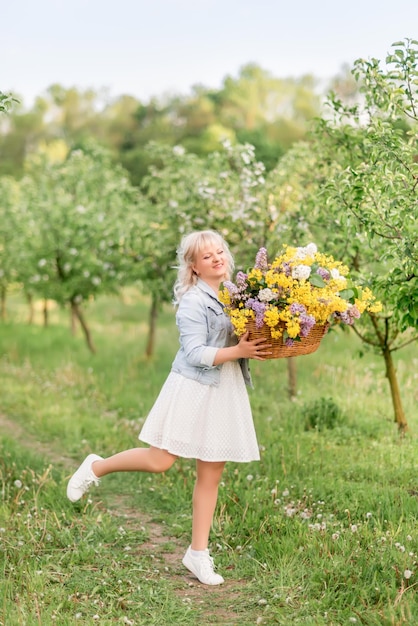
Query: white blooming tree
[184,192]
[10,237]
[81,214]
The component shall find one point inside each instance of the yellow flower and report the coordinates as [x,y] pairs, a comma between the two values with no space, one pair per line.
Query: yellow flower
[294,303]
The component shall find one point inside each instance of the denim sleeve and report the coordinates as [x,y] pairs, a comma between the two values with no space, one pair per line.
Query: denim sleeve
[193,327]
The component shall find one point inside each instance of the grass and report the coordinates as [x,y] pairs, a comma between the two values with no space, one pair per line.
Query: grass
[322,531]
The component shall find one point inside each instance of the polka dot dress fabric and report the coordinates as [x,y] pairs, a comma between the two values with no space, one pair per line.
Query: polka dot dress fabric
[197,421]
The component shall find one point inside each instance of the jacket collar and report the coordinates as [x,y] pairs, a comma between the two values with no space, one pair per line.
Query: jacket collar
[206,288]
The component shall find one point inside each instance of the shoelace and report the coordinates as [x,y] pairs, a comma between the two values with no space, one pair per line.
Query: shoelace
[207,565]
[87,482]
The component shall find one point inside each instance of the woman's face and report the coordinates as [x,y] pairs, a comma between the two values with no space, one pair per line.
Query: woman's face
[210,264]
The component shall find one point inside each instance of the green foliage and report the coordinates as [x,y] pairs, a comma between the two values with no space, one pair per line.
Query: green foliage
[322,413]
[80,215]
[6,102]
[321,531]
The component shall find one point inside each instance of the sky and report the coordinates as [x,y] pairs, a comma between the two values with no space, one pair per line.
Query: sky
[149,48]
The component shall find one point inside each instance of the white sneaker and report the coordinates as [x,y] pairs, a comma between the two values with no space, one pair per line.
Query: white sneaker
[202,567]
[83,478]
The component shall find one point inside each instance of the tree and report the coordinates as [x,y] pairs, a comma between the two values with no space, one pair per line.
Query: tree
[6,101]
[82,213]
[10,233]
[358,178]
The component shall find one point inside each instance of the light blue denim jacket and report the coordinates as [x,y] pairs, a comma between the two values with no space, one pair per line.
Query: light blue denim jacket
[203,328]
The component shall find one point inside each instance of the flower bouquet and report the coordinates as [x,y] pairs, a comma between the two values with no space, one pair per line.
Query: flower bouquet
[293,300]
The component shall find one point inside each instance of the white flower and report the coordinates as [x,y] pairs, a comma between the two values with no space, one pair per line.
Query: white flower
[311,249]
[178,150]
[335,273]
[96,280]
[301,272]
[41,262]
[308,251]
[407,574]
[266,295]
[18,484]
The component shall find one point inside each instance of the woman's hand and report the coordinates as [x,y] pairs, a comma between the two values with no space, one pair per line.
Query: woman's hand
[257,349]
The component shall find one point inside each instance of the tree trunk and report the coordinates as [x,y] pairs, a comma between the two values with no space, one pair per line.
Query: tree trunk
[3,303]
[76,311]
[383,339]
[29,299]
[400,418]
[149,351]
[73,321]
[291,377]
[45,313]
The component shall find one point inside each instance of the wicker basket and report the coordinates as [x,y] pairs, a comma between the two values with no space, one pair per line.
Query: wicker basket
[279,350]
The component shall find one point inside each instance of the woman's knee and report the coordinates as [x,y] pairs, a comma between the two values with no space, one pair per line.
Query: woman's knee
[209,472]
[160,460]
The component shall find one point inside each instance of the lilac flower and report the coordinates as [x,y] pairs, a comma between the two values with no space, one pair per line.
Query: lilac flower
[232,289]
[259,309]
[325,274]
[241,279]
[286,269]
[344,317]
[297,308]
[261,261]
[306,324]
[354,312]
[289,342]
[266,295]
[301,272]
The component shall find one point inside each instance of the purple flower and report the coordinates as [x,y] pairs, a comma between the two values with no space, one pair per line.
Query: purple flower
[232,289]
[306,324]
[344,317]
[297,308]
[241,279]
[286,269]
[289,342]
[261,261]
[323,273]
[259,309]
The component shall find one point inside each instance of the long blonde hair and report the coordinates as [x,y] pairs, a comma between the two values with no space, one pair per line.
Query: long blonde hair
[187,252]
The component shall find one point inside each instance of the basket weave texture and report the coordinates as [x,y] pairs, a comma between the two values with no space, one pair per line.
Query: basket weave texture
[279,350]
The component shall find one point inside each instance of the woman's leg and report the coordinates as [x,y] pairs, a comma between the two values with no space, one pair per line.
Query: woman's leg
[135,460]
[205,496]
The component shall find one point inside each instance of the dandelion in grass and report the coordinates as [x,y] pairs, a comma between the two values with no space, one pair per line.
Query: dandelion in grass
[407,574]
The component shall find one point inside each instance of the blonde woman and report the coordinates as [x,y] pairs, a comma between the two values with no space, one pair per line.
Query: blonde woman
[202,411]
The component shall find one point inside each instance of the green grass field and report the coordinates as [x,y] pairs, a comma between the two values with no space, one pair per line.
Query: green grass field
[322,531]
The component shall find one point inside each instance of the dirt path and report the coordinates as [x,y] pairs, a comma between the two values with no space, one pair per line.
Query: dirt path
[217,603]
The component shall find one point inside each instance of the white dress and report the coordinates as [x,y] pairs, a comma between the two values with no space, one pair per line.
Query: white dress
[198,421]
